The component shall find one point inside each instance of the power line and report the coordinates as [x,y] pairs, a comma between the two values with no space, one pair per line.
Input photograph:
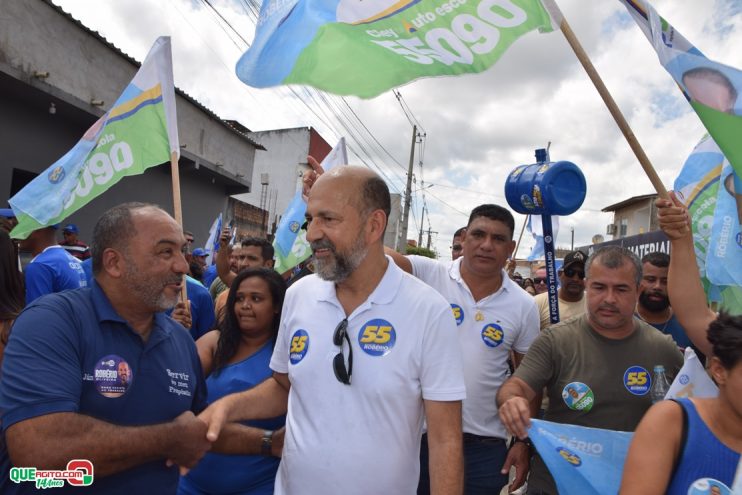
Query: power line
[372,135]
[450,206]
[407,111]
[208,4]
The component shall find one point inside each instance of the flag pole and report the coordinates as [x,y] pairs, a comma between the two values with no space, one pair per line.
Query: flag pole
[558,17]
[177,207]
[514,256]
[522,229]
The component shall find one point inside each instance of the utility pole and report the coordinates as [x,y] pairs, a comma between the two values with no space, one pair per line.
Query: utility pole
[430,232]
[573,239]
[420,237]
[402,235]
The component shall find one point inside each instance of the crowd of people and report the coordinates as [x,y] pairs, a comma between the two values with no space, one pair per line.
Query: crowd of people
[373,373]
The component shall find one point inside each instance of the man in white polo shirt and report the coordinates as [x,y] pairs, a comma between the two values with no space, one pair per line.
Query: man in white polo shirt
[364,354]
[494,316]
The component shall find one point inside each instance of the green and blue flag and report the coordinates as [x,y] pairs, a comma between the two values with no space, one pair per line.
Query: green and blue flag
[139,131]
[712,89]
[703,186]
[363,48]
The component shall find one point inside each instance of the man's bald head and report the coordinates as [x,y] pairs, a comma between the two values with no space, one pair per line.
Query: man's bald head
[362,187]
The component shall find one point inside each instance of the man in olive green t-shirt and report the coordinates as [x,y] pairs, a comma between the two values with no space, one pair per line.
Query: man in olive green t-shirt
[597,368]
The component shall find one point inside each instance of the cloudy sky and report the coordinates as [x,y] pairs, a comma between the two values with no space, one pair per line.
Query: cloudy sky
[478,127]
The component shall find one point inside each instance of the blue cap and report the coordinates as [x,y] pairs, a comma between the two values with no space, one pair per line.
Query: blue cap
[7,213]
[72,228]
[200,252]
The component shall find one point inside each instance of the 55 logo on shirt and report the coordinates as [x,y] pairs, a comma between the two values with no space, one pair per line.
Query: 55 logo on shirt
[299,346]
[458,313]
[492,334]
[637,380]
[377,337]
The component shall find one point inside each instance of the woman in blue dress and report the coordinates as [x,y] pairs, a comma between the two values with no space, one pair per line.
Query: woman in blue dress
[693,446]
[234,358]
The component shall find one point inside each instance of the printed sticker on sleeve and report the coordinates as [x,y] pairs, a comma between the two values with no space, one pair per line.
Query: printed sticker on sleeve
[299,346]
[458,313]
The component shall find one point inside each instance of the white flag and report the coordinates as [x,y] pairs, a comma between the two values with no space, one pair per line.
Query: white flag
[692,380]
[212,243]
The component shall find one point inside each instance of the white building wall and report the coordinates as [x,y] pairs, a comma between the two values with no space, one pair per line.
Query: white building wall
[284,160]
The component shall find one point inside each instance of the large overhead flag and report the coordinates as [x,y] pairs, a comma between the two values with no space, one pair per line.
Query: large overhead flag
[713,90]
[138,132]
[363,48]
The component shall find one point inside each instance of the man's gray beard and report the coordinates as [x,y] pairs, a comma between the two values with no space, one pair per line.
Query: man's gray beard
[340,267]
[151,293]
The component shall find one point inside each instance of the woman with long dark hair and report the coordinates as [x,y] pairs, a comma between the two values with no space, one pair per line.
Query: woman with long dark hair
[235,358]
[12,294]
[693,445]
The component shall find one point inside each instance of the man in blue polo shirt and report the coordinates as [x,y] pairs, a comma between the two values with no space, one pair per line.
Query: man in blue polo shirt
[102,375]
[198,316]
[52,269]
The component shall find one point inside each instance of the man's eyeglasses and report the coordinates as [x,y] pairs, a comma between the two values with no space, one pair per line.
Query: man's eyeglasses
[457,247]
[342,373]
[539,280]
[570,272]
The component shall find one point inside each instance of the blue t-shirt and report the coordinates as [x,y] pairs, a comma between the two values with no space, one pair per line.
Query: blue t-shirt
[209,275]
[71,352]
[236,474]
[672,328]
[53,270]
[202,308]
[87,267]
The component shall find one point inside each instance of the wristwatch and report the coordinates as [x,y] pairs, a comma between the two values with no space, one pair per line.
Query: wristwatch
[266,442]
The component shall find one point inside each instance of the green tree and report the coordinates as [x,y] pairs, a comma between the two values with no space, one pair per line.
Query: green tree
[429,253]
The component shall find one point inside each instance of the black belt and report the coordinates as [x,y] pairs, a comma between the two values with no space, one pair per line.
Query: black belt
[472,438]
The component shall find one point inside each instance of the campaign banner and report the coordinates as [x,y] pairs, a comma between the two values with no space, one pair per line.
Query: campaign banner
[711,88]
[583,460]
[139,131]
[702,186]
[363,48]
